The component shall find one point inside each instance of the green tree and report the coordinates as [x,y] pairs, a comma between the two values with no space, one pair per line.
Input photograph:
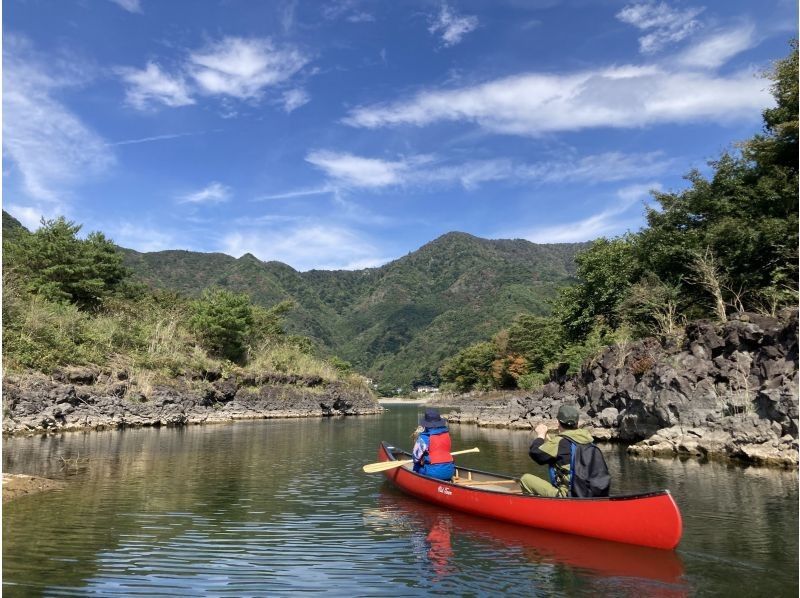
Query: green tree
[538,339]
[270,322]
[606,270]
[54,263]
[745,214]
[470,368]
[223,321]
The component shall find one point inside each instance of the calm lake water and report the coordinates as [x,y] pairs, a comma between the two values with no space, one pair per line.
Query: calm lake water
[280,507]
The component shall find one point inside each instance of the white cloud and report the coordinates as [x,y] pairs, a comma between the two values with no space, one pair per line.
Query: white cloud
[129,5]
[142,238]
[451,26]
[717,49]
[666,25]
[356,171]
[49,145]
[213,193]
[151,85]
[294,98]
[352,171]
[242,68]
[615,220]
[308,246]
[621,97]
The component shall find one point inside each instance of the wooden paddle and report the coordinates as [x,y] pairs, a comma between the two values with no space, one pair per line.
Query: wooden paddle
[384,465]
[484,483]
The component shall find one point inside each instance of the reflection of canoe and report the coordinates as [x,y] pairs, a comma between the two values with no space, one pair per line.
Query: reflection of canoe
[610,559]
[650,519]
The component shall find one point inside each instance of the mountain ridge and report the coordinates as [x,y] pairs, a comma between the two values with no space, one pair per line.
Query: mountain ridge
[397,322]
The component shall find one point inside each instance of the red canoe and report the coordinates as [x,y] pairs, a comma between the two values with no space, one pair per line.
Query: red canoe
[650,519]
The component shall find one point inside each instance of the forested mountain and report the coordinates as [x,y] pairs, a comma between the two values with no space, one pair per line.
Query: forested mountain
[396,323]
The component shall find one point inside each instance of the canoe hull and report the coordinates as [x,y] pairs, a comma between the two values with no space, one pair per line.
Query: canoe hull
[646,520]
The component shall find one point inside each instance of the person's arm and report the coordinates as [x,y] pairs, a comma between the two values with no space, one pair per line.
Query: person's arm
[541,449]
[419,450]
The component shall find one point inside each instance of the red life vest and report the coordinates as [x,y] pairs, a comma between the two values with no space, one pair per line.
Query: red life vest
[439,448]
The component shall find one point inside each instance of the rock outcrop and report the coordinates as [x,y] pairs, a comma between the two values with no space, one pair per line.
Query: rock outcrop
[729,390]
[83,399]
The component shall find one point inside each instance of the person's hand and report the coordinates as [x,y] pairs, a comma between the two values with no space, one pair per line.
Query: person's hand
[541,430]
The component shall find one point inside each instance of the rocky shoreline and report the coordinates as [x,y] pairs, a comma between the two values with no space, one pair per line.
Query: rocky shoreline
[85,399]
[728,391]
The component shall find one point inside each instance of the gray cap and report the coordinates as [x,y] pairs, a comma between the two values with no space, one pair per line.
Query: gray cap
[568,415]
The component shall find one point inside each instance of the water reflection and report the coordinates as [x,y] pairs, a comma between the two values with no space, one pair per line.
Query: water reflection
[641,570]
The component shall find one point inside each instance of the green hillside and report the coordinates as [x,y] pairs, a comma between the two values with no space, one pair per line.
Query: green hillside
[12,227]
[396,323]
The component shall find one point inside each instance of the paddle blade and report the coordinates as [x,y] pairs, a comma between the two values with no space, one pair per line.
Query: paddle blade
[384,465]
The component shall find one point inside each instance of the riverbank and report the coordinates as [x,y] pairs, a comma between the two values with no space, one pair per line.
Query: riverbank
[84,399]
[727,391]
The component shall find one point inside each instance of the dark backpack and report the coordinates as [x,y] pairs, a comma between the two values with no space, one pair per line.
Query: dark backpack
[588,471]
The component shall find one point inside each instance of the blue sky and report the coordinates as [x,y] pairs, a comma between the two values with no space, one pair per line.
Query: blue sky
[347,133]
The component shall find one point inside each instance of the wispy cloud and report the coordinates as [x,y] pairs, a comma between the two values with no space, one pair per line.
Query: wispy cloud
[619,97]
[307,246]
[616,219]
[665,25]
[129,5]
[324,189]
[49,145]
[152,85]
[213,193]
[349,10]
[451,26]
[599,168]
[350,171]
[294,98]
[155,138]
[356,171]
[716,49]
[287,15]
[243,67]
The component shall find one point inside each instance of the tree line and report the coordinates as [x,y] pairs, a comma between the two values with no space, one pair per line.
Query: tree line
[71,301]
[727,243]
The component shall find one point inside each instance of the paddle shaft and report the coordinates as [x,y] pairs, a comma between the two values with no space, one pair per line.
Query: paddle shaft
[483,483]
[386,465]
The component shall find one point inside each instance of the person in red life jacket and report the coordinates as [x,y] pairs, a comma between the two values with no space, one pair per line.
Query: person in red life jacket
[432,449]
[555,453]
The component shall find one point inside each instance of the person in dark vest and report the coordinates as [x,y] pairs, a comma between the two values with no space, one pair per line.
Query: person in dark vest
[555,453]
[432,449]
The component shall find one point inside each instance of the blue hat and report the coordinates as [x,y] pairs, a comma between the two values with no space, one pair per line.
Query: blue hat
[432,419]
